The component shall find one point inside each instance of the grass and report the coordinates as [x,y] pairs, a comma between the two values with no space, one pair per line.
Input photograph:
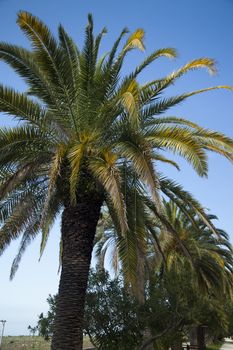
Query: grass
[30,343]
[215,346]
[24,343]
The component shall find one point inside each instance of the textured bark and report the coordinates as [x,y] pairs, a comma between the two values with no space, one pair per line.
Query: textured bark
[78,231]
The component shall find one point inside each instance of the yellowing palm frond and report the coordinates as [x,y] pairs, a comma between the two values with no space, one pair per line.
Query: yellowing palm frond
[141,159]
[130,101]
[136,40]
[180,141]
[161,84]
[204,62]
[109,177]
[75,156]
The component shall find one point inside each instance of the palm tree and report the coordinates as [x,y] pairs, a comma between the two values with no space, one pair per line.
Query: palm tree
[208,267]
[211,265]
[211,255]
[190,242]
[80,121]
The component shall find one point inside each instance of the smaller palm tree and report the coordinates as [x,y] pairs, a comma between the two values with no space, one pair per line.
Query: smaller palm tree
[190,244]
[211,254]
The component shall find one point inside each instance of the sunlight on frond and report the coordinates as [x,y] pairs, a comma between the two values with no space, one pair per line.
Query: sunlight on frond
[136,40]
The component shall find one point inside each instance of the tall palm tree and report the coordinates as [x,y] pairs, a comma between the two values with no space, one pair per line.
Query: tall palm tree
[82,122]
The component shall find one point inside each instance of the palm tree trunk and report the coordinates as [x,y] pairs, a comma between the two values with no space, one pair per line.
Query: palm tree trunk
[78,231]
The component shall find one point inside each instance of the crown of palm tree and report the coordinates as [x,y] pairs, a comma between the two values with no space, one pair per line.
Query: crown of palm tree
[211,255]
[80,118]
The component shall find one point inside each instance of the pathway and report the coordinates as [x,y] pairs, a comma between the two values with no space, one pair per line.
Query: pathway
[228,345]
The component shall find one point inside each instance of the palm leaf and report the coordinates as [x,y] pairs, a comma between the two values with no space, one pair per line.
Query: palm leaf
[109,176]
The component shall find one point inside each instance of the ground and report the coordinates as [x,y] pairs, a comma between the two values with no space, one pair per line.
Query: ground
[30,343]
[228,345]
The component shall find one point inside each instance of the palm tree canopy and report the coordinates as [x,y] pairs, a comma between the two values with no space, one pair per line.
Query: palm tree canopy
[208,263]
[79,117]
[211,255]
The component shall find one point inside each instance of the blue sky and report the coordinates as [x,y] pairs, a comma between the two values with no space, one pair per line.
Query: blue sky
[196,28]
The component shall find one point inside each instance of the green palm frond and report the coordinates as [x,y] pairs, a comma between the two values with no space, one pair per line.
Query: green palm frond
[48,56]
[113,52]
[166,52]
[17,221]
[71,59]
[149,122]
[24,63]
[15,179]
[29,234]
[175,192]
[164,104]
[21,107]
[53,209]
[50,206]
[158,157]
[44,44]
[97,43]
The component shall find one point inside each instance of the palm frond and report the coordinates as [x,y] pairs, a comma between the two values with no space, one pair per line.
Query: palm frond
[139,155]
[130,101]
[165,52]
[28,235]
[21,107]
[47,222]
[135,40]
[75,156]
[108,175]
[175,191]
[71,59]
[43,42]
[112,53]
[14,180]
[180,141]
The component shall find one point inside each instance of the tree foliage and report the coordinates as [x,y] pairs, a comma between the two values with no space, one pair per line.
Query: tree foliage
[174,303]
[80,116]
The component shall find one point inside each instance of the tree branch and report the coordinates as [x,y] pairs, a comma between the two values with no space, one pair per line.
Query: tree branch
[170,327]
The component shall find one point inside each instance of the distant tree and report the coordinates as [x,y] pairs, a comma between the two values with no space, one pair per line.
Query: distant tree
[45,324]
[33,330]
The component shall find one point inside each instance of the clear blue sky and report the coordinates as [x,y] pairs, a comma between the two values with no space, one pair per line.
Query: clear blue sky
[196,28]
